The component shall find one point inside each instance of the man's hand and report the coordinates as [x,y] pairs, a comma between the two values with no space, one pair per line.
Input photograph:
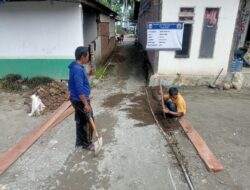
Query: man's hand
[88,108]
[68,96]
[86,104]
[166,110]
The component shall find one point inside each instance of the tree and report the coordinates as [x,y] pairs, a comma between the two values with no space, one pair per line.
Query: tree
[117,5]
[107,3]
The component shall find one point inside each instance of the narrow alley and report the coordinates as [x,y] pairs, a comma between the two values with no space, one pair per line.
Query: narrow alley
[135,154]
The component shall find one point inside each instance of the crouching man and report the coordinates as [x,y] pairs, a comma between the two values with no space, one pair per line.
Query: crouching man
[175,105]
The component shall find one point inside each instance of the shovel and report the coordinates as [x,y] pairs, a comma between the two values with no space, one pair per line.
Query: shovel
[98,143]
[213,85]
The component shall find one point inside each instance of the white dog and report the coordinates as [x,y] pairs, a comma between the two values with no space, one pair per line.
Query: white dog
[37,105]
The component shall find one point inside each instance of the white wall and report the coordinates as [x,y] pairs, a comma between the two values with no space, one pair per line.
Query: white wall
[90,27]
[168,64]
[40,29]
[104,18]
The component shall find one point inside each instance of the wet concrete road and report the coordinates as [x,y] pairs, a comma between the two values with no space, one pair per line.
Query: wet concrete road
[136,158]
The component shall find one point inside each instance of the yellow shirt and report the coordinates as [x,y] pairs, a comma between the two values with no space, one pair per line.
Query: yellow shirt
[179,102]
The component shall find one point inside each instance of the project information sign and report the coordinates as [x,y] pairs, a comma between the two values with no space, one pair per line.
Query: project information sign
[165,35]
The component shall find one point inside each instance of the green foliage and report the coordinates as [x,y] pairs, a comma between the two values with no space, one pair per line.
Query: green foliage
[14,82]
[118,29]
[107,3]
[92,84]
[12,77]
[100,72]
[36,81]
[116,6]
[103,71]
[11,82]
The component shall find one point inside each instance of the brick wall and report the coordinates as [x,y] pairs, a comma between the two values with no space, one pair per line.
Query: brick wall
[107,44]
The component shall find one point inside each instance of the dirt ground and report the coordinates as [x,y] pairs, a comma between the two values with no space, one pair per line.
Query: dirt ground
[220,117]
[135,154]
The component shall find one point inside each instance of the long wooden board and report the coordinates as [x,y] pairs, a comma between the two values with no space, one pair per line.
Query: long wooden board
[11,155]
[211,162]
[64,115]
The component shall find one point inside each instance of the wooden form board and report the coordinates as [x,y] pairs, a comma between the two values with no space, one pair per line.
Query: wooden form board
[211,162]
[64,115]
[11,155]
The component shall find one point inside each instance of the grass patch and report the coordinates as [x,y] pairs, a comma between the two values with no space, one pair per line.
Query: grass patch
[15,82]
[36,81]
[12,83]
[101,71]
[92,84]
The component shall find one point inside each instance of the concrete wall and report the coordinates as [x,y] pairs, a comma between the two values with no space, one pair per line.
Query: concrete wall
[107,19]
[194,65]
[40,29]
[105,42]
[90,27]
[150,11]
[112,28]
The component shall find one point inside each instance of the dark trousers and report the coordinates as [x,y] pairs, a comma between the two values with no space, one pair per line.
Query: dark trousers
[83,129]
[172,107]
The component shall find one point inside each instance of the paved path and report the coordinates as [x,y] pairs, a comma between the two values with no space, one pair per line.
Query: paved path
[135,155]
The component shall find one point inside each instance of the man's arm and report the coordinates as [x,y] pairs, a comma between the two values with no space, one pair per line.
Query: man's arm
[178,114]
[85,102]
[165,96]
[78,77]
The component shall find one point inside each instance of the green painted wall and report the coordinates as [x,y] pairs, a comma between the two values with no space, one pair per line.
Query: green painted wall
[54,68]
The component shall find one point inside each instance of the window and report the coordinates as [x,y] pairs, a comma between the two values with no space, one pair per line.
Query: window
[209,32]
[186,15]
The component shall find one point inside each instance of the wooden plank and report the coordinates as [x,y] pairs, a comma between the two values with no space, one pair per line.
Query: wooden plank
[63,116]
[211,162]
[11,155]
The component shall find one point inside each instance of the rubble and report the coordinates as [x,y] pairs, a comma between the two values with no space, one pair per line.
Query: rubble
[238,80]
[52,95]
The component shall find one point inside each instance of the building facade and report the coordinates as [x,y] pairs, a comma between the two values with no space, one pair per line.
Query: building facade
[38,38]
[207,40]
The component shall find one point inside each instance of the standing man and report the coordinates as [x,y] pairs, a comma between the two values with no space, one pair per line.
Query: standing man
[175,105]
[79,89]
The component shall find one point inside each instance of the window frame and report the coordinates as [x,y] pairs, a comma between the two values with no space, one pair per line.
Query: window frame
[203,24]
[190,14]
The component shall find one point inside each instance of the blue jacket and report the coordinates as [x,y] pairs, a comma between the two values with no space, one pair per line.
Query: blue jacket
[78,82]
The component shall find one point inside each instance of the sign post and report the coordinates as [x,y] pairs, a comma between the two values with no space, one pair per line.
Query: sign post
[165,36]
